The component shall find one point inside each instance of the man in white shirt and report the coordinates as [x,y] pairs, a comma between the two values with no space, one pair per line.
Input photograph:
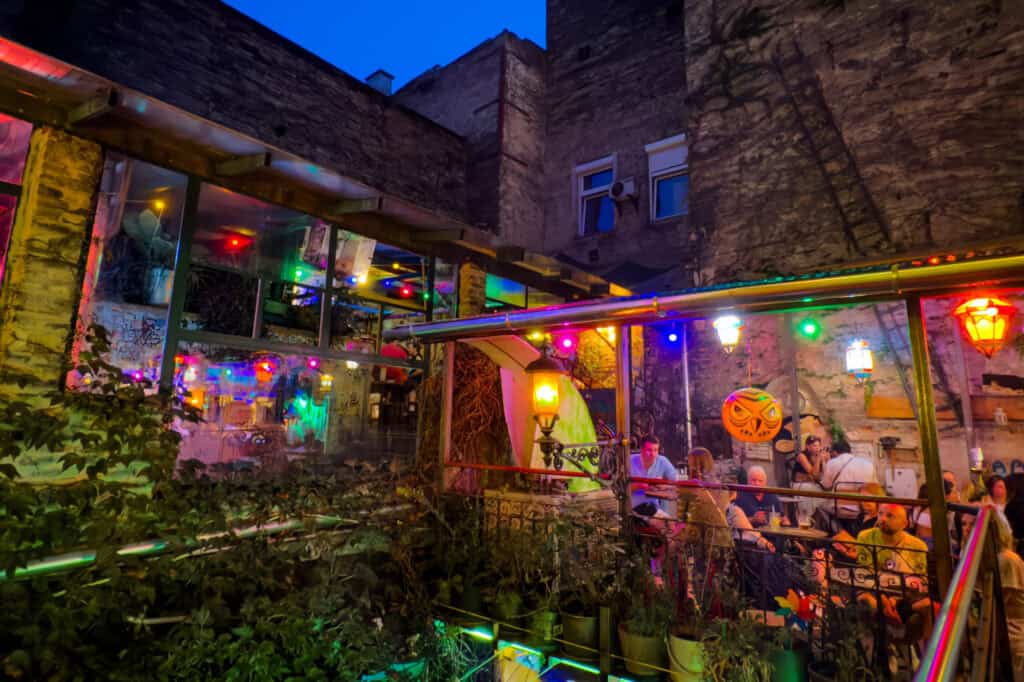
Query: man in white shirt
[846,473]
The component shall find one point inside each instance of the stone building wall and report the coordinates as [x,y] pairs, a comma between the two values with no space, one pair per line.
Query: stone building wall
[493,96]
[829,137]
[212,61]
[616,82]
[51,226]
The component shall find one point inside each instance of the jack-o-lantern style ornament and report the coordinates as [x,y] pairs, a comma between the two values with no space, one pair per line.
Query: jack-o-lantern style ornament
[752,415]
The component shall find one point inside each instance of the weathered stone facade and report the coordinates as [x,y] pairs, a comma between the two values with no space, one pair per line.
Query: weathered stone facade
[493,96]
[616,82]
[51,226]
[884,129]
[212,61]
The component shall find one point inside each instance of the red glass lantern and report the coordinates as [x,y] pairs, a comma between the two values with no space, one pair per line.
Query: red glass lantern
[986,322]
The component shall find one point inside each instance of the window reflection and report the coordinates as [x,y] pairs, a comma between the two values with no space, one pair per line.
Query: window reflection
[130,266]
[15,135]
[269,411]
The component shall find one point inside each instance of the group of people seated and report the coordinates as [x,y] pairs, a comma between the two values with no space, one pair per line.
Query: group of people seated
[888,542]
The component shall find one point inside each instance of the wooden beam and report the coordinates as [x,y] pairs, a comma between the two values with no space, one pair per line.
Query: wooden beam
[449,235]
[511,254]
[95,107]
[348,206]
[242,165]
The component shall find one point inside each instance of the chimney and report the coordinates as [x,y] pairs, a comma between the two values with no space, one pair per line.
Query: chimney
[380,80]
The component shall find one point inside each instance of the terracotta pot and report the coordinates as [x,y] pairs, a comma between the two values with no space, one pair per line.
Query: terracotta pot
[639,649]
[582,631]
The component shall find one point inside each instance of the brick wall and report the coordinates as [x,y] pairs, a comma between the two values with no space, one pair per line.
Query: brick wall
[44,264]
[913,111]
[616,82]
[214,62]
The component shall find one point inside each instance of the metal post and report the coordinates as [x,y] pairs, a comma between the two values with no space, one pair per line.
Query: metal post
[623,383]
[327,300]
[179,288]
[929,441]
[604,619]
[257,318]
[379,336]
[686,387]
[447,395]
[966,409]
[794,394]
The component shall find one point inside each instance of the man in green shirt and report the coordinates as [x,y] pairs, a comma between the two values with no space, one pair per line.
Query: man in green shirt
[888,547]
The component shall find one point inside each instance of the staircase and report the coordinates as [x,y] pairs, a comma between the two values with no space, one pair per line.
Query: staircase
[863,226]
[892,320]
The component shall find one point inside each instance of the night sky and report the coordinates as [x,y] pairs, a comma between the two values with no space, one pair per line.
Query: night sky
[403,37]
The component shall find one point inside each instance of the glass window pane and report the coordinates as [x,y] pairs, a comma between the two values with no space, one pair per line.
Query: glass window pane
[268,412]
[354,323]
[671,195]
[248,253]
[598,179]
[15,135]
[130,266]
[504,293]
[8,206]
[598,214]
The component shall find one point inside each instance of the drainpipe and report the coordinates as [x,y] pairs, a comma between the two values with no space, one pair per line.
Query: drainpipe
[686,387]
[929,434]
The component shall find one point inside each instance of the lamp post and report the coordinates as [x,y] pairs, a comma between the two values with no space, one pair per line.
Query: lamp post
[546,373]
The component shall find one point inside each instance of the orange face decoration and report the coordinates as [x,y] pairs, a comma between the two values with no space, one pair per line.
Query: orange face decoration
[752,415]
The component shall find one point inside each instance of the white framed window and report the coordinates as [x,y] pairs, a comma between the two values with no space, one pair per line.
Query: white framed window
[596,208]
[670,178]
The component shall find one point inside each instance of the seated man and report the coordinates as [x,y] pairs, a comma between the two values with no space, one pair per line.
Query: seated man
[650,464]
[888,548]
[758,506]
[846,472]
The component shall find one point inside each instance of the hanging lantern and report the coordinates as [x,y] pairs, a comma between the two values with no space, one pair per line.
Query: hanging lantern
[752,415]
[859,361]
[986,322]
[728,328]
[546,373]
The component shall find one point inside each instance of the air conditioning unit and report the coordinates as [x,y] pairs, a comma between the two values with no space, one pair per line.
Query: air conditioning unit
[623,189]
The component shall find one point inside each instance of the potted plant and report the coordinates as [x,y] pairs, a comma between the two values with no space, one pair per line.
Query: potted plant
[647,611]
[734,651]
[588,562]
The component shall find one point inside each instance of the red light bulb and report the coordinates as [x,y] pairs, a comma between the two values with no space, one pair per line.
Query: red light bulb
[405,292]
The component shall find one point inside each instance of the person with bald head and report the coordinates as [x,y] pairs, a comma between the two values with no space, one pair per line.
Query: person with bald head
[889,547]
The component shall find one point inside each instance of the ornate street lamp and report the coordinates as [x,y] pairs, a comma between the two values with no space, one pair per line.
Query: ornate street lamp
[546,373]
[985,322]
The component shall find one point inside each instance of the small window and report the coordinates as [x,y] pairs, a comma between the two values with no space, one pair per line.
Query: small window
[670,182]
[670,195]
[596,210]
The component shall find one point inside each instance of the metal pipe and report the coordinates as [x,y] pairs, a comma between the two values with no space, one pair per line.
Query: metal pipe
[554,473]
[686,387]
[623,417]
[939,661]
[793,292]
[929,434]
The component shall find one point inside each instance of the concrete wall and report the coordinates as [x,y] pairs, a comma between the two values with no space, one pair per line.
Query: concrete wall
[913,109]
[214,62]
[616,82]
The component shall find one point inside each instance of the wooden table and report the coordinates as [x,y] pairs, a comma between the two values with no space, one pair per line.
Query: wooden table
[795,533]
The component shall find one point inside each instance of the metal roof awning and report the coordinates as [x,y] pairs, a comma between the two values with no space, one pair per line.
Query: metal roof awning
[782,293]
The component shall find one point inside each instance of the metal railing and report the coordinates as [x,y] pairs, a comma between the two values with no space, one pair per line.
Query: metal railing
[963,610]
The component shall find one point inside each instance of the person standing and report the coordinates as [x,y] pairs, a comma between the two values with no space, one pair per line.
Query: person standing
[807,467]
[649,463]
[846,472]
